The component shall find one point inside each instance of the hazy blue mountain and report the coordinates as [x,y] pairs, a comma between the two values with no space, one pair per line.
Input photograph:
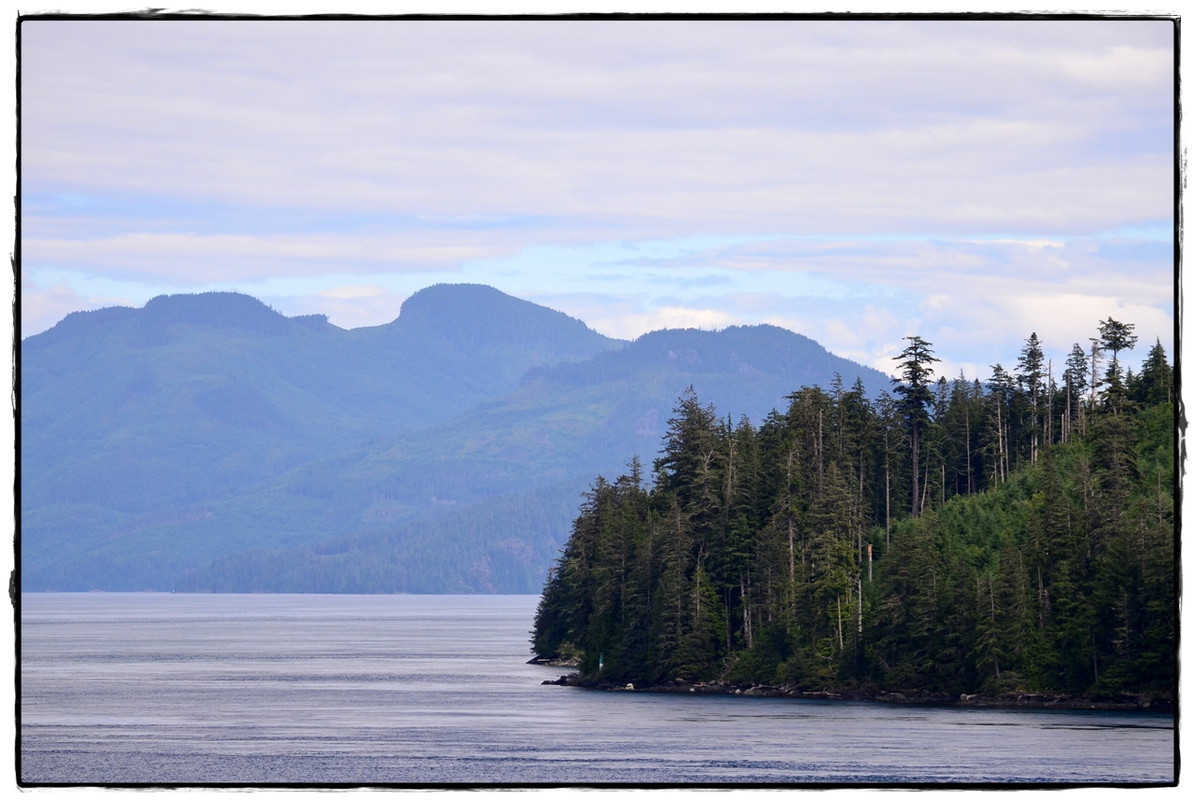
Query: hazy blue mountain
[196,394]
[484,501]
[135,421]
[206,442]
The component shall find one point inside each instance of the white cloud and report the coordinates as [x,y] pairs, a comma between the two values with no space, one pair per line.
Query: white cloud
[631,326]
[190,259]
[882,177]
[1120,65]
[665,121]
[42,307]
[354,306]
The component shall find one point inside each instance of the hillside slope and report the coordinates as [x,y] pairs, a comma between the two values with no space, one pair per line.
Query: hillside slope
[484,501]
[207,442]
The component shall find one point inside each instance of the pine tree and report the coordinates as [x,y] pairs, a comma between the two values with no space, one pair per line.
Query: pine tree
[999,423]
[832,574]
[1075,379]
[890,438]
[671,620]
[1030,366]
[1116,336]
[916,399]
[1155,384]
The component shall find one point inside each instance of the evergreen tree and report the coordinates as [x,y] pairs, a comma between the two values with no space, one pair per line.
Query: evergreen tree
[746,560]
[889,437]
[959,419]
[1116,336]
[1000,423]
[916,399]
[1075,380]
[1030,375]
[1155,385]
[831,576]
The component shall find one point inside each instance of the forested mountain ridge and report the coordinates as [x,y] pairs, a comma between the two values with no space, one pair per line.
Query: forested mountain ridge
[208,443]
[1032,551]
[156,439]
[503,480]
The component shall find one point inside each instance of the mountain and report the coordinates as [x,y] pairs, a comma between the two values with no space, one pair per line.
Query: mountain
[206,442]
[194,395]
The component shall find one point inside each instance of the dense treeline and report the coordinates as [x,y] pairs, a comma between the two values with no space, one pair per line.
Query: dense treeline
[950,536]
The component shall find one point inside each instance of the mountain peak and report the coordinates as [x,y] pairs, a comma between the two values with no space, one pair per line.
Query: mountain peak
[448,296]
[227,310]
[462,303]
[480,317]
[217,309]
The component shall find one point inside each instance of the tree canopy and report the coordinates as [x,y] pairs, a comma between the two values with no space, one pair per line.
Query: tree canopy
[1037,553]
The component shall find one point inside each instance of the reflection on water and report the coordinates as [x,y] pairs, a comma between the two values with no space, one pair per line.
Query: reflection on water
[412,689]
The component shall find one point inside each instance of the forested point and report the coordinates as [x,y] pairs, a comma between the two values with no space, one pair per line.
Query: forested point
[950,537]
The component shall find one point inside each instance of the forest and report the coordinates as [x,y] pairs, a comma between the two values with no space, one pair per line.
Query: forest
[947,536]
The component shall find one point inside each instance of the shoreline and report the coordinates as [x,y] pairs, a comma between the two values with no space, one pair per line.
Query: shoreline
[1004,700]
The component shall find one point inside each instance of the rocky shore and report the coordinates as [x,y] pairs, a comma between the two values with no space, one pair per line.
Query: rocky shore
[1028,700]
[555,662]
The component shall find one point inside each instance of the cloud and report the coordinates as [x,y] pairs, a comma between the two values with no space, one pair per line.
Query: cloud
[346,306]
[189,259]
[42,307]
[1120,66]
[747,124]
[857,182]
[631,326]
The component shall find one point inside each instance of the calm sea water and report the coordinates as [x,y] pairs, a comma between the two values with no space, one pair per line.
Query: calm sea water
[410,689]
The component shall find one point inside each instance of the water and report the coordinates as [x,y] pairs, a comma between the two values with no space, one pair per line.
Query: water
[411,689]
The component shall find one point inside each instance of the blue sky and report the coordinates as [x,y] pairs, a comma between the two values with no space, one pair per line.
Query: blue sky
[970,182]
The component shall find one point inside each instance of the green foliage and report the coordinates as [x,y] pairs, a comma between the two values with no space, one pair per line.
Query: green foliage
[1042,561]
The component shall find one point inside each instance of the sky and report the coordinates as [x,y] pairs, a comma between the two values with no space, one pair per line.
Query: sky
[967,181]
